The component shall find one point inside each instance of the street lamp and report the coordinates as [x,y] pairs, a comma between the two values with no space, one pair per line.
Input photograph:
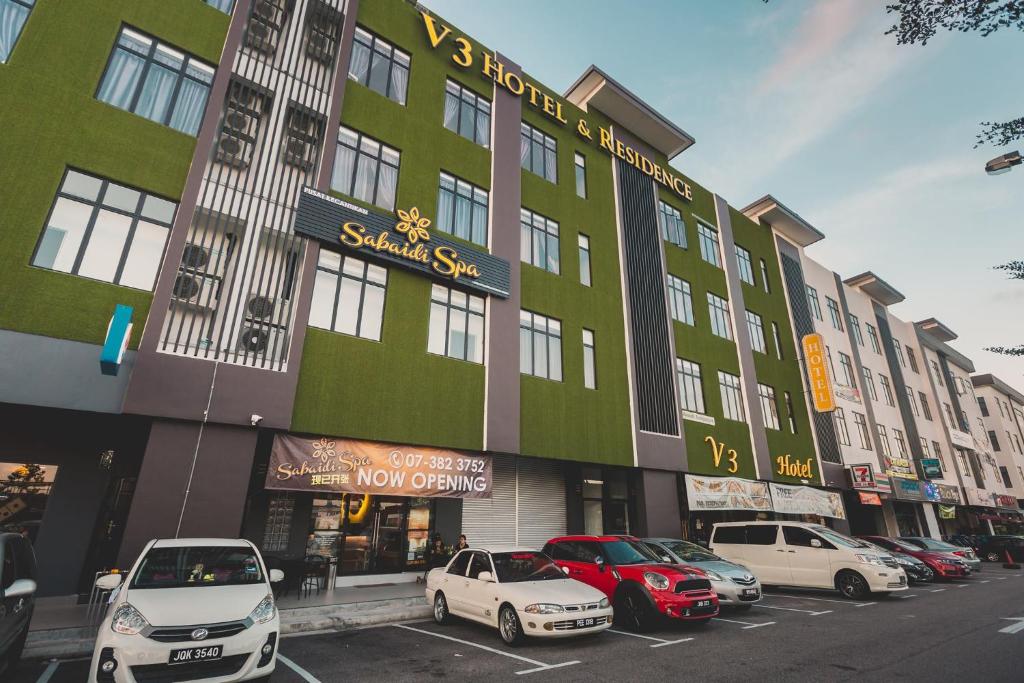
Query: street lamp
[1004,163]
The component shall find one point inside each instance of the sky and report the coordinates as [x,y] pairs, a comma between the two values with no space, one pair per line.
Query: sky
[869,141]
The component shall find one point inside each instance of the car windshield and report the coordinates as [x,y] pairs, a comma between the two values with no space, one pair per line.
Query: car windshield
[838,538]
[690,552]
[627,552]
[903,545]
[932,544]
[198,566]
[525,566]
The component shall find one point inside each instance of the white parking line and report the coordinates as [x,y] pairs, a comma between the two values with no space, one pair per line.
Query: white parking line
[985,581]
[938,590]
[539,666]
[746,624]
[961,585]
[906,597]
[806,597]
[661,642]
[791,609]
[303,674]
[48,671]
[1000,578]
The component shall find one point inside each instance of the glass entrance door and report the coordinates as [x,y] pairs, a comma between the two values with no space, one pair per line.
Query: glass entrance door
[382,533]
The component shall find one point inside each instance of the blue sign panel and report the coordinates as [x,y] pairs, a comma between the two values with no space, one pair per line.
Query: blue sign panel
[119,331]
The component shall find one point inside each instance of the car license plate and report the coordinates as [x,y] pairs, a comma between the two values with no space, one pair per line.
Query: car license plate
[195,654]
[703,603]
[584,623]
[750,591]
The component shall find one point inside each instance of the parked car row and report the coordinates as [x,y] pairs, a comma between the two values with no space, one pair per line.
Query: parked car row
[992,548]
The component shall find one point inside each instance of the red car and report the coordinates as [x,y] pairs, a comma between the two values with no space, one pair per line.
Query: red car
[640,587]
[945,565]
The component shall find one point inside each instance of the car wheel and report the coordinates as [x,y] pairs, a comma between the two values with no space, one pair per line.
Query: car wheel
[852,585]
[509,627]
[441,614]
[992,556]
[633,611]
[10,661]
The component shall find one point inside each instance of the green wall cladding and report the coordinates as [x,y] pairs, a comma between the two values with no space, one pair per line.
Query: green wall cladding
[53,75]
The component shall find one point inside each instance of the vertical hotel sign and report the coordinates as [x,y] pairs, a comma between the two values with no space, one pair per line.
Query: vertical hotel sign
[817,373]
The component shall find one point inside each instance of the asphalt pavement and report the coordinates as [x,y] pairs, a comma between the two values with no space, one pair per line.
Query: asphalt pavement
[966,630]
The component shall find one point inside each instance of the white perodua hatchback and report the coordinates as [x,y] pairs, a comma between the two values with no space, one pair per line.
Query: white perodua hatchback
[190,609]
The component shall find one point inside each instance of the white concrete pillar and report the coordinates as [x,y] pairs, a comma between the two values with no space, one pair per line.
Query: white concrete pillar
[931,521]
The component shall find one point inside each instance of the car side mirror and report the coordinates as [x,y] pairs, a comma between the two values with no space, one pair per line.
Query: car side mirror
[815,543]
[276,575]
[22,588]
[565,570]
[599,561]
[485,576]
[666,558]
[108,582]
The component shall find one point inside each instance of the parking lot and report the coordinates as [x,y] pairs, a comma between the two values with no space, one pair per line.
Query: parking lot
[964,630]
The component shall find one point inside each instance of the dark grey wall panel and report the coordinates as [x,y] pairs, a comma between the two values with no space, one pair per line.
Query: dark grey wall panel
[899,385]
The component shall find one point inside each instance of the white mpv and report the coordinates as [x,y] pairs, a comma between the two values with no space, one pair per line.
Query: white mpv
[808,556]
[190,609]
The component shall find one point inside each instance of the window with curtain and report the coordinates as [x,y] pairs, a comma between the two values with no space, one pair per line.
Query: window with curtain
[462,209]
[769,406]
[709,249]
[156,81]
[732,398]
[746,265]
[456,324]
[691,389]
[718,308]
[348,296]
[539,241]
[538,152]
[105,231]
[580,163]
[584,254]
[467,113]
[379,65]
[672,227]
[13,14]
[589,369]
[540,346]
[756,330]
[366,169]
[680,301]
[224,6]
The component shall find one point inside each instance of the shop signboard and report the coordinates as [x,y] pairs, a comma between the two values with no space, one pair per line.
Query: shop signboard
[804,500]
[817,373]
[862,476]
[961,439]
[899,468]
[1004,501]
[883,484]
[404,241]
[867,498]
[908,489]
[932,468]
[328,464]
[727,493]
[947,512]
[851,394]
[978,497]
[931,491]
[950,494]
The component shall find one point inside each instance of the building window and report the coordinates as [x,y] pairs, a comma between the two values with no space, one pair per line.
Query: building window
[994,440]
[862,430]
[709,249]
[589,370]
[223,5]
[913,401]
[691,389]
[584,252]
[756,330]
[790,413]
[925,408]
[105,231]
[778,340]
[540,346]
[950,420]
[842,433]
[924,448]
[467,113]
[873,337]
[365,169]
[348,296]
[812,301]
[156,81]
[833,313]
[679,300]
[937,373]
[1006,477]
[13,14]
[769,408]
[883,438]
[379,66]
[462,209]
[580,163]
[869,382]
[984,408]
[899,352]
[539,240]
[746,266]
[937,450]
[732,399]
[886,390]
[901,443]
[718,308]
[456,324]
[672,227]
[855,326]
[961,458]
[764,277]
[912,359]
[538,152]
[846,363]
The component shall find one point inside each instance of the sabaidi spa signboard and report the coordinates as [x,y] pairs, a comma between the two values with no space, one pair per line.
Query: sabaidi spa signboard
[402,239]
[349,466]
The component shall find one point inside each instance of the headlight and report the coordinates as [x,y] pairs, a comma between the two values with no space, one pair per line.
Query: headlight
[127,620]
[604,603]
[870,559]
[906,562]
[264,611]
[658,582]
[545,608]
[714,576]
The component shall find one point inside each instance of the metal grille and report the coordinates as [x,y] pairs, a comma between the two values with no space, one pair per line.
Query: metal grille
[692,585]
[234,294]
[169,673]
[582,608]
[184,633]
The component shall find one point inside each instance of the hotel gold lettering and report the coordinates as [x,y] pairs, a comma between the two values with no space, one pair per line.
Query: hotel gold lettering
[492,68]
[718,450]
[791,467]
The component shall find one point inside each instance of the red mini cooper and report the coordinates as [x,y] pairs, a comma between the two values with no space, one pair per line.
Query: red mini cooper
[640,586]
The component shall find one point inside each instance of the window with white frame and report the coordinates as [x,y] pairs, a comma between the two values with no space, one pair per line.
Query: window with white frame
[467,113]
[790,413]
[223,5]
[778,340]
[379,65]
[746,265]
[756,330]
[540,346]
[732,397]
[764,277]
[538,152]
[462,209]
[691,389]
[538,241]
[13,14]
[862,430]
[812,301]
[672,227]
[925,451]
[348,296]
[589,367]
[842,433]
[580,166]
[584,253]
[156,81]
[365,169]
[456,324]
[102,230]
[718,308]
[680,301]
[769,407]
[709,248]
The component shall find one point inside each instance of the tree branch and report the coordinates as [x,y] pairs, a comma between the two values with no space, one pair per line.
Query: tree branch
[1001,134]
[920,20]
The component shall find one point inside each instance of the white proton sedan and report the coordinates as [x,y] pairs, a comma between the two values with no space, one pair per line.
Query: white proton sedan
[521,592]
[190,609]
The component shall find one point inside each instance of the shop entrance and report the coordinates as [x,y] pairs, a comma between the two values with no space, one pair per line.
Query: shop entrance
[906,519]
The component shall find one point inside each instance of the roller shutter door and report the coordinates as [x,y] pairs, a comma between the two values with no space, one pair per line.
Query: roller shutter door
[527,506]
[493,521]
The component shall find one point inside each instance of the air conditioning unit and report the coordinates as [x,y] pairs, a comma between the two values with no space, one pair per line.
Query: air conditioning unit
[238,120]
[257,343]
[203,261]
[260,307]
[232,149]
[320,46]
[261,35]
[191,288]
[298,152]
[195,257]
[269,11]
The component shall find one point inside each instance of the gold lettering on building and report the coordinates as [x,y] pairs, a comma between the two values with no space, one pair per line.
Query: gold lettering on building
[718,450]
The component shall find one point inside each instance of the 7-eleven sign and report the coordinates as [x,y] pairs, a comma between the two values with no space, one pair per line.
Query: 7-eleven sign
[862,476]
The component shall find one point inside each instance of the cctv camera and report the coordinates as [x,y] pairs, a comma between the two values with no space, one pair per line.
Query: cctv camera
[255,419]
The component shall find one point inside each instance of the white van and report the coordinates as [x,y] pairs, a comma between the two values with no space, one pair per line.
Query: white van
[807,555]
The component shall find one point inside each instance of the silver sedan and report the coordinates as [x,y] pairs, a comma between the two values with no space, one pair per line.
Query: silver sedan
[735,584]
